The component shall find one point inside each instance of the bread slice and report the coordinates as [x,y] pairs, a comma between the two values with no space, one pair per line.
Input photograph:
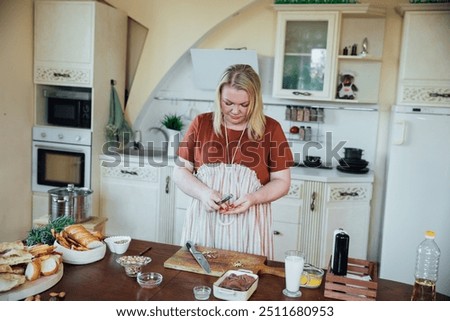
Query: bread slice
[16,245]
[9,281]
[49,266]
[82,236]
[15,256]
[33,270]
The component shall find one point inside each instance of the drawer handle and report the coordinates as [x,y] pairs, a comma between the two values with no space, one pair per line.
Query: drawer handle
[58,74]
[439,95]
[276,233]
[313,201]
[303,93]
[348,193]
[128,172]
[167,184]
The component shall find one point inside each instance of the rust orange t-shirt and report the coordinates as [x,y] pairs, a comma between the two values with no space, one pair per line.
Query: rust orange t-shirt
[200,145]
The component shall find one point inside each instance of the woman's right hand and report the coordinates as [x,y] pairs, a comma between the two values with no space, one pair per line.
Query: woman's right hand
[209,199]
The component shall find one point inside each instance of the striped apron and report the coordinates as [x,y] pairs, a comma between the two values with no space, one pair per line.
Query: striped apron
[249,232]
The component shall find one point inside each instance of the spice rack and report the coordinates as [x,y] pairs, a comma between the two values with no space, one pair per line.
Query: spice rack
[304,123]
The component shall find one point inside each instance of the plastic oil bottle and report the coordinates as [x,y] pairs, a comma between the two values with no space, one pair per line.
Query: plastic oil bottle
[427,266]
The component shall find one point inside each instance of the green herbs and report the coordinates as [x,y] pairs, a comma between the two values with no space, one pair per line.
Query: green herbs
[172,121]
[43,234]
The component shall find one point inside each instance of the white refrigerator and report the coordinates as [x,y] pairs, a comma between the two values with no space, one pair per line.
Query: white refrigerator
[417,192]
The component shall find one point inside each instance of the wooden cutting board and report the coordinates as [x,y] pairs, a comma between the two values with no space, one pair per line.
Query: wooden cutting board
[221,261]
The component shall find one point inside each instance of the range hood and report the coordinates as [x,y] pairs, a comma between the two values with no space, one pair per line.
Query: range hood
[209,64]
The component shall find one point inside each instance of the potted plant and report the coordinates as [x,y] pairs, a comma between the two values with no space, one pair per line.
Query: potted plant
[172,121]
[173,124]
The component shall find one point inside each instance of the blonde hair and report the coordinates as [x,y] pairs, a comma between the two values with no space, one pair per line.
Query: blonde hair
[243,77]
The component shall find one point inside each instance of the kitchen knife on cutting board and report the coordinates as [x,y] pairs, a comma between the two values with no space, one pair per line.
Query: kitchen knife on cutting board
[221,261]
[198,256]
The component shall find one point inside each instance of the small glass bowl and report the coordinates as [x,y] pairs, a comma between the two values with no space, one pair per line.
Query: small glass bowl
[202,292]
[311,277]
[133,263]
[149,280]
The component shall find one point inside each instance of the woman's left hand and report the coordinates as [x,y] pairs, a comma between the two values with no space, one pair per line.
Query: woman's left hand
[239,206]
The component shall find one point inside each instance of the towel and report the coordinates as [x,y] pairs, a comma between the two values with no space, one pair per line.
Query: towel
[117,129]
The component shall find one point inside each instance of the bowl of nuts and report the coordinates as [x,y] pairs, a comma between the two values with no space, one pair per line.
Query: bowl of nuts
[118,244]
[133,263]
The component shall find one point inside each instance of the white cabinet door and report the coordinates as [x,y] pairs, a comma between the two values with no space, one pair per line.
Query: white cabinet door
[286,214]
[305,54]
[355,221]
[348,207]
[424,76]
[64,42]
[130,199]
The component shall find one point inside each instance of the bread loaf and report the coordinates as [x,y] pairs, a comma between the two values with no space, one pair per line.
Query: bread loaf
[82,236]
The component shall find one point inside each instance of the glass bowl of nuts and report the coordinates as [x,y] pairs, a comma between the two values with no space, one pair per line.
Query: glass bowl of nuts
[133,263]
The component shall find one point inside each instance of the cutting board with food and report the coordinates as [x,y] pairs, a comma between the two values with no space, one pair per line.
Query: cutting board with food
[26,271]
[221,261]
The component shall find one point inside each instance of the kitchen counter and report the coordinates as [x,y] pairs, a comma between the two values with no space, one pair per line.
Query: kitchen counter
[156,159]
[330,175]
[105,280]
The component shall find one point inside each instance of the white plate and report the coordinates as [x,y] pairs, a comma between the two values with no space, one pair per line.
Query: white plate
[81,257]
[32,288]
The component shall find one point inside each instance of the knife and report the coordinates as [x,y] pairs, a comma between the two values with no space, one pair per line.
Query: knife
[198,256]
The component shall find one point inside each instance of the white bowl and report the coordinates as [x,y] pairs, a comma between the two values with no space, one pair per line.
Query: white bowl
[81,257]
[118,244]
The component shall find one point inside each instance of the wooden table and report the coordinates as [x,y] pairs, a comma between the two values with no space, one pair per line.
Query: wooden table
[106,280]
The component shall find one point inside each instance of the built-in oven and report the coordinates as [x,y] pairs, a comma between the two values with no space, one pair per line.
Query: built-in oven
[60,156]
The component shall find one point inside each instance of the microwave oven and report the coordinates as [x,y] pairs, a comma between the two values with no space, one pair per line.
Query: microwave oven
[69,108]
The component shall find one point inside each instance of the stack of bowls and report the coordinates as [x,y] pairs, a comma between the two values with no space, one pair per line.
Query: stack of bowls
[312,161]
[352,161]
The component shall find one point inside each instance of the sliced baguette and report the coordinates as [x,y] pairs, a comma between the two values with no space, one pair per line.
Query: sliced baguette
[33,270]
[49,266]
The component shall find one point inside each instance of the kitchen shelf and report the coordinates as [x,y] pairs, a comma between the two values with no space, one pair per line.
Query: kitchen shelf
[360,58]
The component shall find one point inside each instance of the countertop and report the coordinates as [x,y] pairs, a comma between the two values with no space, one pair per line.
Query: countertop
[156,159]
[105,280]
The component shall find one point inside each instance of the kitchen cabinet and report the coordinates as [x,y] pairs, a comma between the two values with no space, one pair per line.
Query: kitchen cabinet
[347,206]
[182,202]
[79,44]
[309,54]
[304,64]
[286,215]
[69,37]
[307,216]
[138,201]
[424,72]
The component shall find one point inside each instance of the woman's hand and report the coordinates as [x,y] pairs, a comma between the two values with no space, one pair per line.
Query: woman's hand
[241,205]
[209,199]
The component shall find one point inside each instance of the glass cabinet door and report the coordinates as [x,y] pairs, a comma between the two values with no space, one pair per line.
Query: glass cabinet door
[305,55]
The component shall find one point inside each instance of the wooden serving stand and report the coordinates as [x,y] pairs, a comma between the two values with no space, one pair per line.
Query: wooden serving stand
[346,288]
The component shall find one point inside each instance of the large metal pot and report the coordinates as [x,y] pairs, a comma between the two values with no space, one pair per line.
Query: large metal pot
[70,201]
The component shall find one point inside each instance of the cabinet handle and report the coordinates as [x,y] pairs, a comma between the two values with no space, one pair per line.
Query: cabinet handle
[439,95]
[313,201]
[276,233]
[303,93]
[167,184]
[128,172]
[58,74]
[348,194]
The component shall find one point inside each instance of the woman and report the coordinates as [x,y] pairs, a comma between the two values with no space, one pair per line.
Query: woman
[234,150]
